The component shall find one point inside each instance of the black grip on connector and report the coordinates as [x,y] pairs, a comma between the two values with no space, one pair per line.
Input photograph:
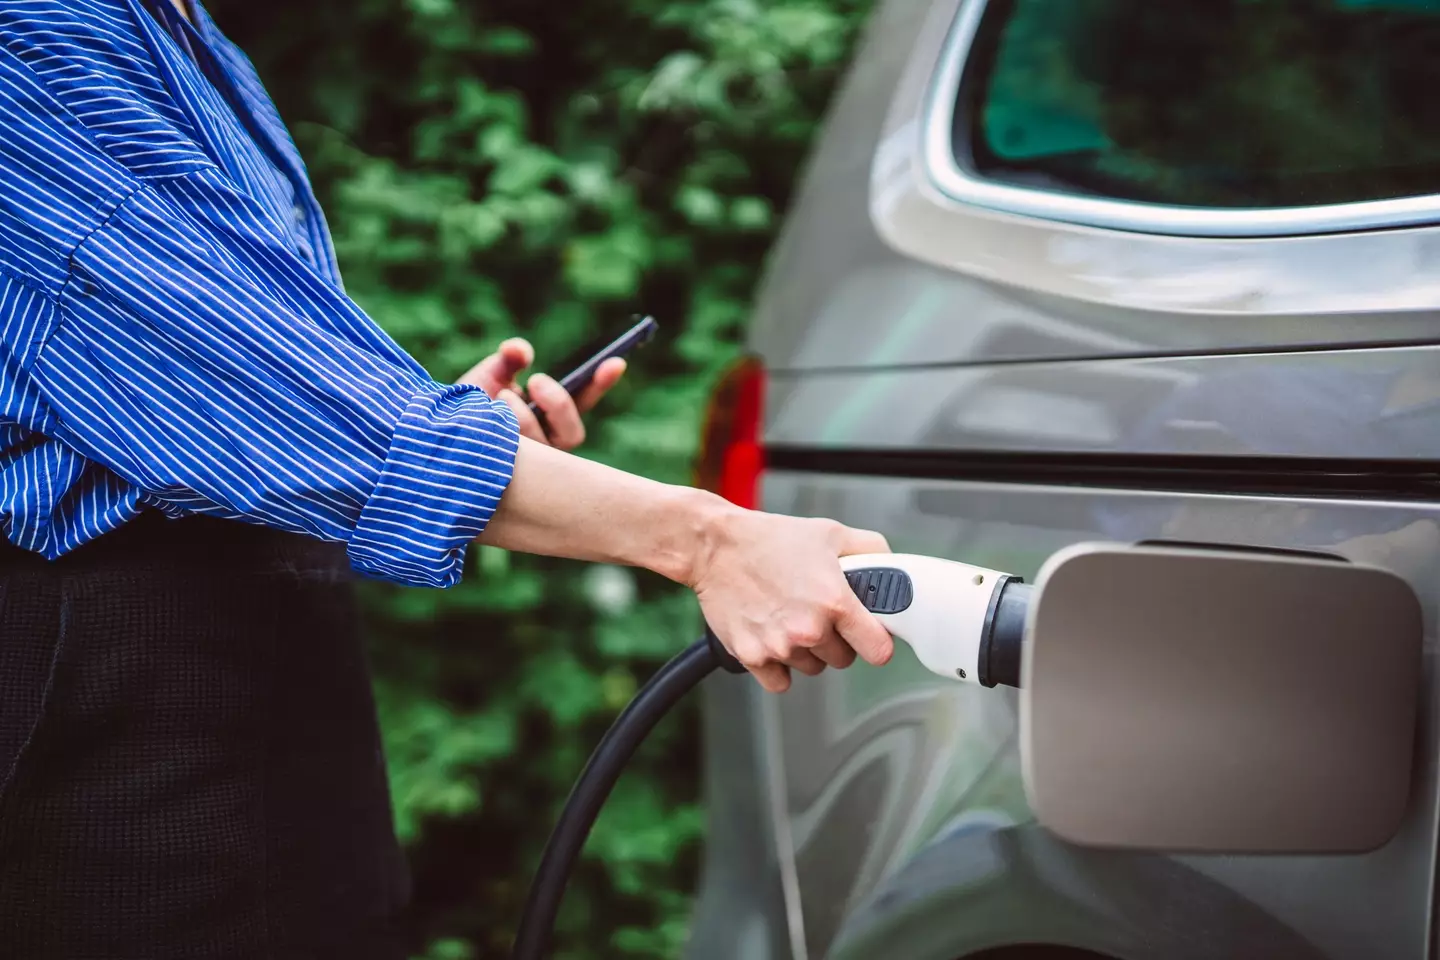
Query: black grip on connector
[1003,643]
[882,589]
[724,660]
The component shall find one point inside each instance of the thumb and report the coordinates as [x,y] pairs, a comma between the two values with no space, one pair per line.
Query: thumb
[865,634]
[497,372]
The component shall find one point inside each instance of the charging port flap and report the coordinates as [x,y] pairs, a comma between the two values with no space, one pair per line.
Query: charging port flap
[1193,698]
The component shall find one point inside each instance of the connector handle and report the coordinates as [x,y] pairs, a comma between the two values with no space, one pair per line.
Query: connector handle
[941,608]
[963,622]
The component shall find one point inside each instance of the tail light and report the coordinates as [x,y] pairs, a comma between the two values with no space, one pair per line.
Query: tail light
[731,455]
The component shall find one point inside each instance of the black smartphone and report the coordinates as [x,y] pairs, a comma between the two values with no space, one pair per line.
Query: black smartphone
[588,359]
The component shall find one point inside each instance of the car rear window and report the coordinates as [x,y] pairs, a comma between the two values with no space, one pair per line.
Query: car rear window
[1206,103]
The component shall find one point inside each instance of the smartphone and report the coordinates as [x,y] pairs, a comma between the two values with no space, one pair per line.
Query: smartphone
[588,359]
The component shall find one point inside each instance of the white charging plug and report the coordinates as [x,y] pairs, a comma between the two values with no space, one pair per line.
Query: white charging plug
[946,611]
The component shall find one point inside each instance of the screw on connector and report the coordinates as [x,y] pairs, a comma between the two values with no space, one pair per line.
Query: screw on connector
[979,579]
[960,672]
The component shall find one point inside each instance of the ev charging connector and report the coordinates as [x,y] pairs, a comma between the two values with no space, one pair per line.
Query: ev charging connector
[964,623]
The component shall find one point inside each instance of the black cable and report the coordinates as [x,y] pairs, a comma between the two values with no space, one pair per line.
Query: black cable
[669,684]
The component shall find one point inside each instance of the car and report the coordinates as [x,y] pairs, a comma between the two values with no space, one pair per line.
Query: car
[1062,271]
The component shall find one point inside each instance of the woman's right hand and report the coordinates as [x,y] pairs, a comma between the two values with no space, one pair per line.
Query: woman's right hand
[772,590]
[770,586]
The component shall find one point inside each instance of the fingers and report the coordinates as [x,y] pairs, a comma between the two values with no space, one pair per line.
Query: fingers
[562,418]
[834,651]
[774,677]
[498,371]
[810,661]
[865,634]
[811,618]
[772,670]
[807,662]
[608,374]
[561,425]
[529,424]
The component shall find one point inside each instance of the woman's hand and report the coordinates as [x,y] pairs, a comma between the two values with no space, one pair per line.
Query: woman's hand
[496,376]
[770,585]
[772,589]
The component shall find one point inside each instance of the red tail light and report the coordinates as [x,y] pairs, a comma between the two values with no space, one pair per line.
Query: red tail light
[731,455]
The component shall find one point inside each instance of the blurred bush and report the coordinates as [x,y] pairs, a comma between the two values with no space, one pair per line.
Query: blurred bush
[506,167]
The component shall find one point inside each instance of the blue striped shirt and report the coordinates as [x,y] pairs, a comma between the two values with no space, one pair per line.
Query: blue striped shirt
[173,330]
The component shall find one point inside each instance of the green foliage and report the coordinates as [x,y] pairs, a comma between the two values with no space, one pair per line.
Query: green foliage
[501,168]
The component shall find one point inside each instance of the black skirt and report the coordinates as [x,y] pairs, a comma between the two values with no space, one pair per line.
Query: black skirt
[189,759]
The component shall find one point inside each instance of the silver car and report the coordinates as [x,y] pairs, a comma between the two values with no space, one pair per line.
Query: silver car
[1059,271]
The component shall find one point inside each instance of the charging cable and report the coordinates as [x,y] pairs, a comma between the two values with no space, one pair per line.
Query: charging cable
[963,622]
[661,692]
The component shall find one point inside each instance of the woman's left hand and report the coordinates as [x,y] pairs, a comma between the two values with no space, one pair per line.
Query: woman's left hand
[562,427]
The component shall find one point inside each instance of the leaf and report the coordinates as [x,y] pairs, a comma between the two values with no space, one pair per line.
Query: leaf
[700,206]
[499,140]
[589,181]
[523,168]
[505,42]
[434,9]
[450,948]
[562,687]
[673,82]
[607,266]
[751,214]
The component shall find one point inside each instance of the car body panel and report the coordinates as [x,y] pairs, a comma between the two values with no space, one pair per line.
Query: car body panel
[1376,403]
[746,909]
[952,829]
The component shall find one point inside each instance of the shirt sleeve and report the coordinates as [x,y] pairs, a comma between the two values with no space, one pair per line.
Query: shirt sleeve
[200,358]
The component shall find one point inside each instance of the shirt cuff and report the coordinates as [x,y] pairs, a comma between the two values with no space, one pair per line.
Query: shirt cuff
[451,458]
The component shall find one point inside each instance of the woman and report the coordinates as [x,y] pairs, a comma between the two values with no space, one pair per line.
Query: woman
[201,437]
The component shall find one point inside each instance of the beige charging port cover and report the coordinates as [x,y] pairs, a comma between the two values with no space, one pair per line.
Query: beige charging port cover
[1206,699]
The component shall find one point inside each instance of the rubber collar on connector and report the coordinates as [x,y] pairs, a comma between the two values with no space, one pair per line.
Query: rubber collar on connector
[1005,633]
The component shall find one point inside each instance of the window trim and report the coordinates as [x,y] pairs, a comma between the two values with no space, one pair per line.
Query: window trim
[947,175]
